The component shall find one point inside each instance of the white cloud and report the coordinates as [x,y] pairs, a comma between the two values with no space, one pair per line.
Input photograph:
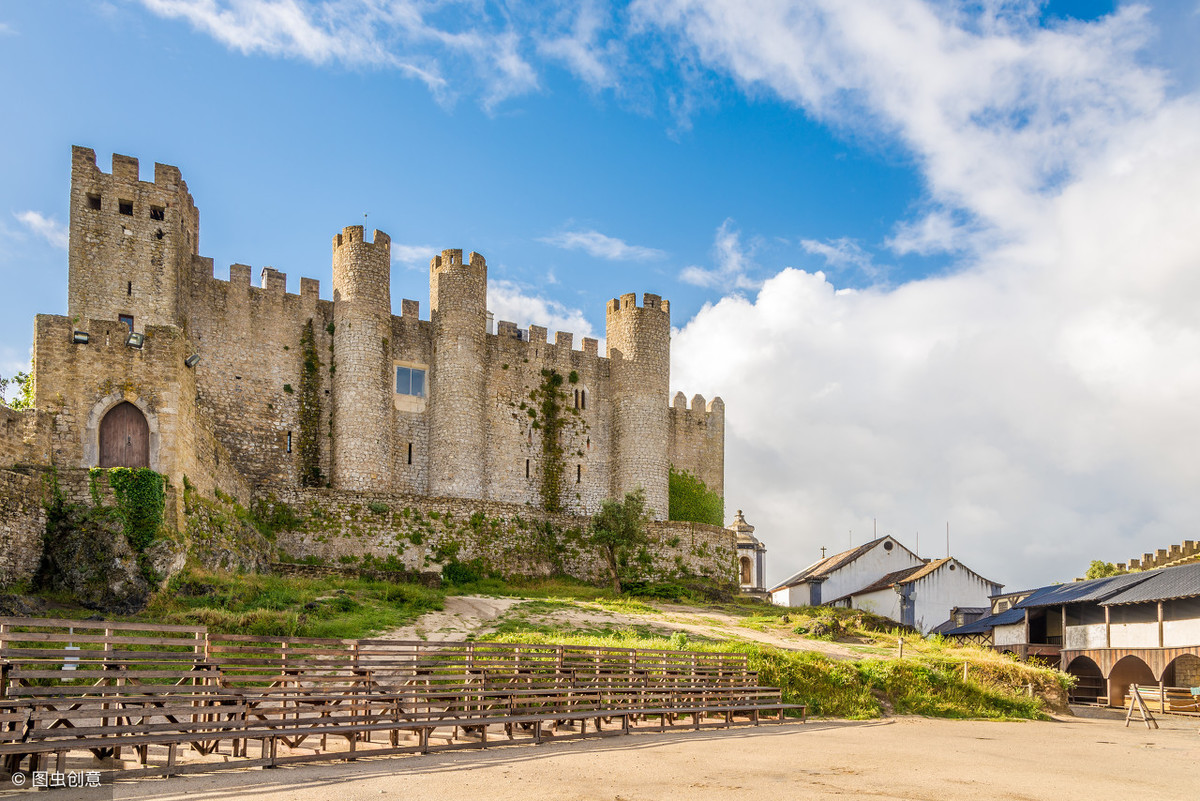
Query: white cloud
[578,45]
[47,228]
[601,246]
[844,254]
[7,30]
[1041,397]
[514,303]
[413,256]
[732,259]
[447,46]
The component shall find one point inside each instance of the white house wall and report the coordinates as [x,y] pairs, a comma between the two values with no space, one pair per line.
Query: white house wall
[1134,635]
[866,570]
[791,596]
[883,602]
[1089,636]
[1012,634]
[1181,633]
[934,595]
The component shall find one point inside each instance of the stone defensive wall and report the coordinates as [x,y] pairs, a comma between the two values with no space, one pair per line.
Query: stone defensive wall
[698,439]
[421,533]
[1187,551]
[22,526]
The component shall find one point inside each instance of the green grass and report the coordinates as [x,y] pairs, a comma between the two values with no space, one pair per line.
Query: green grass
[289,606]
[860,689]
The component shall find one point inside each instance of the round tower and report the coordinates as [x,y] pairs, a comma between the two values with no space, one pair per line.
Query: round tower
[457,433]
[362,375]
[639,350]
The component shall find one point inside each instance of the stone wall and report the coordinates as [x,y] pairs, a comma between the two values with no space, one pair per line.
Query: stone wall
[697,442]
[422,533]
[24,437]
[22,526]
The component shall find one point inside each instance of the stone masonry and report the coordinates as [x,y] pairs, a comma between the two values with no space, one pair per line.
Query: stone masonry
[233,378]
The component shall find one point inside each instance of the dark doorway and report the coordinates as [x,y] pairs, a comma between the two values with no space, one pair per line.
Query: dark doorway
[124,437]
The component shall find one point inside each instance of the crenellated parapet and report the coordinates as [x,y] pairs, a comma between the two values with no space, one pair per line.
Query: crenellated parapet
[130,243]
[1187,551]
[697,439]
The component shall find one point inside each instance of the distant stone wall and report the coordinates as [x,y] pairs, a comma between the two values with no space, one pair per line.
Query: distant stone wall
[421,533]
[22,525]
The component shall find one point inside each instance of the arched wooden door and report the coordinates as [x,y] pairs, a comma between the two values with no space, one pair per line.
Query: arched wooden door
[124,437]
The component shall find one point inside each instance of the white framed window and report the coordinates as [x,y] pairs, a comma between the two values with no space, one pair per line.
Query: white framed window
[410,381]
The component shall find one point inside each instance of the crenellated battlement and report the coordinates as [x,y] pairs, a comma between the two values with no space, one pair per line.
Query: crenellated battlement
[534,335]
[698,407]
[1187,551]
[629,301]
[353,235]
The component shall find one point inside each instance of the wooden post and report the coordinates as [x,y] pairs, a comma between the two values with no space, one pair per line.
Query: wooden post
[1063,627]
[966,665]
[901,643]
[1107,627]
[1160,624]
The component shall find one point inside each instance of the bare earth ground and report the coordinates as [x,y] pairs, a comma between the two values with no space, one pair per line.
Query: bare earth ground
[474,615]
[897,758]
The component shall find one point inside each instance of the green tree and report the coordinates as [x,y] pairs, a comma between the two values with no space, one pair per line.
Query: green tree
[690,499]
[1098,569]
[618,528]
[23,384]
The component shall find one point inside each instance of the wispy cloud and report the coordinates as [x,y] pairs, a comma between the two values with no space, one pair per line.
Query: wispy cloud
[844,253]
[732,263]
[519,304]
[47,228]
[412,256]
[601,246]
[430,42]
[6,29]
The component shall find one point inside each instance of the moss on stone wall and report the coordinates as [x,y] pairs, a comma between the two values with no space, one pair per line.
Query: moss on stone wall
[310,410]
[690,499]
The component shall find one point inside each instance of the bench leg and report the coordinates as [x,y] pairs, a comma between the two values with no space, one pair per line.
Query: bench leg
[423,739]
[171,749]
[60,761]
[537,731]
[625,724]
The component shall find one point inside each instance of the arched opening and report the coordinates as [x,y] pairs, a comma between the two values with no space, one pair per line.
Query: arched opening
[747,566]
[1184,671]
[1089,680]
[124,437]
[1130,670]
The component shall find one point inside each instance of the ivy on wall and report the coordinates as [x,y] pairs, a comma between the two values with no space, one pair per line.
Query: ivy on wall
[140,496]
[310,409]
[549,397]
[690,499]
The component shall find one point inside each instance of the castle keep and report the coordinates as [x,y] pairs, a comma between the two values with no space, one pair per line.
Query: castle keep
[255,391]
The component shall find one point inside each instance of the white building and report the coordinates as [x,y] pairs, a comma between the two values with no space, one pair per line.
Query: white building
[843,573]
[752,559]
[925,596]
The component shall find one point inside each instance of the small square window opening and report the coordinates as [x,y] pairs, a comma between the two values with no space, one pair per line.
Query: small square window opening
[157,213]
[93,202]
[410,381]
[127,319]
[125,207]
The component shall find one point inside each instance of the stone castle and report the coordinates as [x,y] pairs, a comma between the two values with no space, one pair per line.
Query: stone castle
[249,390]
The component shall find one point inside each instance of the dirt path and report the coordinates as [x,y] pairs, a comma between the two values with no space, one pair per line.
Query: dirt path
[463,616]
[913,759]
[468,616]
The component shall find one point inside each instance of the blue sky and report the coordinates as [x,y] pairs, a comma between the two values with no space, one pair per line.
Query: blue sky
[938,258]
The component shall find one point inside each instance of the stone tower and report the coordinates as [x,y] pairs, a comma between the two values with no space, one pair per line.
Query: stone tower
[131,242]
[457,383]
[362,375]
[639,347]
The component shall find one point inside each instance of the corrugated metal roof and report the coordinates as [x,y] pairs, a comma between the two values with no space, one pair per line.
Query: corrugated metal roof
[1077,592]
[986,624]
[828,564]
[1164,584]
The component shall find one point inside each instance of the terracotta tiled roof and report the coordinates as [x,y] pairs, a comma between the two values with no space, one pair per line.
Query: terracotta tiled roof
[827,565]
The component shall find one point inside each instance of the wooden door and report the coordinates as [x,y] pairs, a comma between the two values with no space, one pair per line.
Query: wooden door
[124,437]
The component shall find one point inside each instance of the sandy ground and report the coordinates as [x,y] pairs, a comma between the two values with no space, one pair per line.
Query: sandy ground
[461,616]
[898,758]
[474,615]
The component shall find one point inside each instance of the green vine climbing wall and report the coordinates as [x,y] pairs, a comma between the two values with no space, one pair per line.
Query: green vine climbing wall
[310,410]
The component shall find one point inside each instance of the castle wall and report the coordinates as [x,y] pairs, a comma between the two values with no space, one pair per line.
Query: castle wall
[697,440]
[24,437]
[249,376]
[514,380]
[412,344]
[22,526]
[421,533]
[363,378]
[130,255]
[639,349]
